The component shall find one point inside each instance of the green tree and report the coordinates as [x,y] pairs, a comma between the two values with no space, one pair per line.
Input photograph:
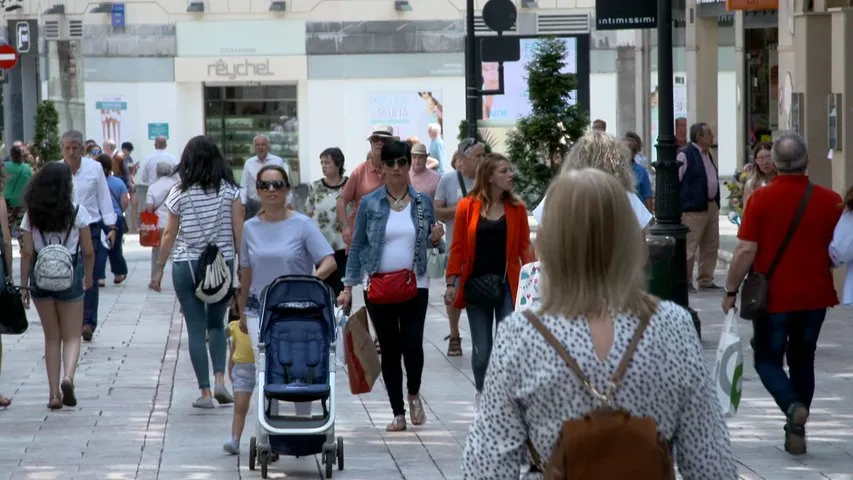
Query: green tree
[542,139]
[46,140]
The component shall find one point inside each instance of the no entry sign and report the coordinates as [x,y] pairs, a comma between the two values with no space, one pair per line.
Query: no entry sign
[8,57]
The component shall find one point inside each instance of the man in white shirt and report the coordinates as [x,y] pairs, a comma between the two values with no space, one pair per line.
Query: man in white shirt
[263,157]
[91,192]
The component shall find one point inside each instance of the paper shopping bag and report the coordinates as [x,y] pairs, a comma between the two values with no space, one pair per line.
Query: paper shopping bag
[728,367]
[149,231]
[363,365]
[529,296]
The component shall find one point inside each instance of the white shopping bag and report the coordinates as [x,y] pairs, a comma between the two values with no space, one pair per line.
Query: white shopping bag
[728,367]
[529,285]
[340,344]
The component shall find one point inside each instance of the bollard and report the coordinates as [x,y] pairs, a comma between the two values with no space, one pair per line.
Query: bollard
[658,269]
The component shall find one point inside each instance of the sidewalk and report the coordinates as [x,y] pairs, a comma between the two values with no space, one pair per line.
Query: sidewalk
[135,421]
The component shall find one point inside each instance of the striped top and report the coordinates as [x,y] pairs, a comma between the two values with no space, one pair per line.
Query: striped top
[203,215]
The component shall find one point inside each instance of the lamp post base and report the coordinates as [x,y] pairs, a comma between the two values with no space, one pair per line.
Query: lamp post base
[668,277]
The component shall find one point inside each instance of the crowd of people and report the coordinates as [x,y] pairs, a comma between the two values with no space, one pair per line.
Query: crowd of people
[401,210]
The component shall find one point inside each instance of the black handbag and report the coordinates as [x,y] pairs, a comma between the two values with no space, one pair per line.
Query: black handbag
[484,290]
[13,321]
[755,290]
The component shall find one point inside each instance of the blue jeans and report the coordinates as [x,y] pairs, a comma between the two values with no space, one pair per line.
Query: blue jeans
[201,318]
[91,297]
[792,335]
[481,322]
[118,265]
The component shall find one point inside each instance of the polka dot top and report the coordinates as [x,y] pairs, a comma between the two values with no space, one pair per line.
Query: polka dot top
[529,391]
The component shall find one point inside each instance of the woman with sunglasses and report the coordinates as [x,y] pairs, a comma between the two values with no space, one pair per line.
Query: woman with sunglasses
[394,227]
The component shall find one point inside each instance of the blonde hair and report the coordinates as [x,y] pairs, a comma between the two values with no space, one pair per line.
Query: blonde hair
[601,151]
[591,254]
[482,185]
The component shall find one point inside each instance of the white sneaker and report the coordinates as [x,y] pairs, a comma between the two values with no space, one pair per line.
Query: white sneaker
[231,446]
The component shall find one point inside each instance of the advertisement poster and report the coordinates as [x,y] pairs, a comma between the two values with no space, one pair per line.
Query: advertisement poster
[410,113]
[679,103]
[114,120]
[515,103]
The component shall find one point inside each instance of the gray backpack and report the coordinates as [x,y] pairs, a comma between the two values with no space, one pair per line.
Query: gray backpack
[54,267]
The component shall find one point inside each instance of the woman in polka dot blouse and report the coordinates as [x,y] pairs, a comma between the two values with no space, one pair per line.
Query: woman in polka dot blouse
[592,290]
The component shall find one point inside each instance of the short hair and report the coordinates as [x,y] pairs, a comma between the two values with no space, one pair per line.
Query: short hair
[109,144]
[599,124]
[260,136]
[789,153]
[127,146]
[73,136]
[590,262]
[434,127]
[165,169]
[601,151]
[636,138]
[697,130]
[16,154]
[336,155]
[394,149]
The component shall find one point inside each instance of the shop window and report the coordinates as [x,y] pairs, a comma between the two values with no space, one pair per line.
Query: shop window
[234,115]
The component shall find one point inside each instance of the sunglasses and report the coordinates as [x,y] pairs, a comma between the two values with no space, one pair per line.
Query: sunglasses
[401,162]
[274,185]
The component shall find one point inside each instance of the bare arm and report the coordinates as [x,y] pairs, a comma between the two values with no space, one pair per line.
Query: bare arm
[237,217]
[7,235]
[327,266]
[444,214]
[741,261]
[168,240]
[27,252]
[88,255]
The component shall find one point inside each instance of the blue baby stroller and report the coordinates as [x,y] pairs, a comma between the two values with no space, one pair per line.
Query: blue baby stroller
[296,364]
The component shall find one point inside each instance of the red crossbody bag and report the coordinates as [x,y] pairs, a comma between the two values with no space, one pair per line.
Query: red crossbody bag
[399,286]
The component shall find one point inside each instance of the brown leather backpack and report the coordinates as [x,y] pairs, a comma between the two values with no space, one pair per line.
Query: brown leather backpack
[606,443]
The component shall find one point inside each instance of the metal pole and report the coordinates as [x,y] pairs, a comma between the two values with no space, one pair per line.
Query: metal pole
[471,89]
[668,188]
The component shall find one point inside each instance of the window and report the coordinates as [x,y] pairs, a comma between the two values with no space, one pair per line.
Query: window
[233,116]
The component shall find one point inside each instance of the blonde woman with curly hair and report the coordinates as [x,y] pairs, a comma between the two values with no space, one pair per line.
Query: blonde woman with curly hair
[601,151]
[762,170]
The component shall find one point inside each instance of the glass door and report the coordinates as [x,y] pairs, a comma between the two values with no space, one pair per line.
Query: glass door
[235,115]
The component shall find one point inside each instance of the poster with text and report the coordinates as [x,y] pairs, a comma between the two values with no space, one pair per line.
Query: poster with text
[114,121]
[515,102]
[679,103]
[409,113]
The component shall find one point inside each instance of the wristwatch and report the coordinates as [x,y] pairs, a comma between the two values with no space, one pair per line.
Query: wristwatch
[731,293]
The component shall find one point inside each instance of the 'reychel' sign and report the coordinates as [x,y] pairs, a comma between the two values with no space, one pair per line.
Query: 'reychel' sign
[245,69]
[625,15]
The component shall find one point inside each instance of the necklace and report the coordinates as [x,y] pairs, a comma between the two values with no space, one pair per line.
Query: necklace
[399,203]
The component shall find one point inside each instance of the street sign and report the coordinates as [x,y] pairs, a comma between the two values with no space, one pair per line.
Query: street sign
[8,57]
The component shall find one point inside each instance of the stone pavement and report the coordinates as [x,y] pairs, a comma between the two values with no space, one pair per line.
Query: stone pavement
[135,386]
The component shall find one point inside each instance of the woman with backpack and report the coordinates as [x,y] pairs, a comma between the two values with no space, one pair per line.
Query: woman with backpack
[205,223]
[601,381]
[57,263]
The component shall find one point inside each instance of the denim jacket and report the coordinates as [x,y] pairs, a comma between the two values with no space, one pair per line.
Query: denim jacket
[369,234]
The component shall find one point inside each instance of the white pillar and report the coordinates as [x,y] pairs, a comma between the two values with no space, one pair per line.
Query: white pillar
[702,61]
[741,90]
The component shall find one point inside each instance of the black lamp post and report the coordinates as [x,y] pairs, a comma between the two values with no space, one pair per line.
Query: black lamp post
[669,275]
[471,90]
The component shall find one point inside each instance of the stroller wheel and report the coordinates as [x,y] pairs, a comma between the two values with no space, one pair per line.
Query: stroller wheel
[264,459]
[330,463]
[340,453]
[253,452]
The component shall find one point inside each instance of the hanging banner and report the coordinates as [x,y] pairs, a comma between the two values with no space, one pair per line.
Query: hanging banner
[622,15]
[751,5]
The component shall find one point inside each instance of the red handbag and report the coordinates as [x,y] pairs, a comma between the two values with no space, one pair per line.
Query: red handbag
[392,287]
[149,231]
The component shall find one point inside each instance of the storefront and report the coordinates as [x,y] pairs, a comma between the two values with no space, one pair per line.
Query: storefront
[244,85]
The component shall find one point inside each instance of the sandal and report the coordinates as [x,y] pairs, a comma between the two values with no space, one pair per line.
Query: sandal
[5,402]
[454,346]
[397,425]
[55,402]
[416,411]
[68,398]
[118,279]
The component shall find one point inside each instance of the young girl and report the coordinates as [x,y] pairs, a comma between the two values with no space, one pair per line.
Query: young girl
[241,370]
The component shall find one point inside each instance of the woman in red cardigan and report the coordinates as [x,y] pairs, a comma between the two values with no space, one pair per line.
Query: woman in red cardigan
[491,242]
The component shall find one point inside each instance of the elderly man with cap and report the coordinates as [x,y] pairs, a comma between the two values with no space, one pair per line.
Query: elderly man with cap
[424,179]
[365,178]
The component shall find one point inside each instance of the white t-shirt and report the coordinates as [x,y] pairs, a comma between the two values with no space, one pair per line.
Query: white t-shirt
[399,245]
[56,238]
[203,215]
[644,217]
[157,194]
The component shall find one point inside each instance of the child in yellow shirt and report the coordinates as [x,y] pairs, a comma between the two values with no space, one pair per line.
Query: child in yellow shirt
[241,369]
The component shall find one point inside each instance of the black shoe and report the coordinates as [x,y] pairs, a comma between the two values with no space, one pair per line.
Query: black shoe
[88,331]
[795,429]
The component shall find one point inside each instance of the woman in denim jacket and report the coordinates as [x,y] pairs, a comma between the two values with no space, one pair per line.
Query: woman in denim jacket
[392,222]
